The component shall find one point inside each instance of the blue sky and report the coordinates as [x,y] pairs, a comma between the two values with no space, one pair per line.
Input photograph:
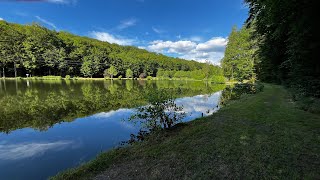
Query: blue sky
[190,29]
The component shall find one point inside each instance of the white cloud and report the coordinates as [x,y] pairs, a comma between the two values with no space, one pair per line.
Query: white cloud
[142,47]
[216,44]
[109,115]
[25,150]
[157,30]
[127,23]
[172,47]
[197,106]
[1,19]
[62,1]
[46,22]
[212,50]
[104,36]
[213,57]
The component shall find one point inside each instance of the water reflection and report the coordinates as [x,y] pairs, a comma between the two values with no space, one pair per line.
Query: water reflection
[201,105]
[236,91]
[27,150]
[45,103]
[78,119]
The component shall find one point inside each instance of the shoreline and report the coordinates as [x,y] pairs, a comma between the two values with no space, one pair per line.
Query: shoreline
[240,140]
[114,79]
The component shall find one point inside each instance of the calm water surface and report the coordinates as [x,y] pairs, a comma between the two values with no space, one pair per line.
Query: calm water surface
[49,126]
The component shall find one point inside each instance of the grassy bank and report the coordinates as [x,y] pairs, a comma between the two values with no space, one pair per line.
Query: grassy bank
[261,136]
[102,79]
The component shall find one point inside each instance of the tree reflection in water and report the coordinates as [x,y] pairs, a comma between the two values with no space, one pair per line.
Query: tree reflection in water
[41,104]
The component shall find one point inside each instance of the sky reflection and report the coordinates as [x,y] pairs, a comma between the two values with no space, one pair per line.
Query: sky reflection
[32,154]
[26,150]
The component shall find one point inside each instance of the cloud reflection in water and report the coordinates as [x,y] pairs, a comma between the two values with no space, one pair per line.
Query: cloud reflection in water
[26,150]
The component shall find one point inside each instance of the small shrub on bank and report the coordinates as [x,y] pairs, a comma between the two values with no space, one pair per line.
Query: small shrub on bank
[161,113]
[234,93]
[310,104]
[142,75]
[218,79]
[51,77]
[68,77]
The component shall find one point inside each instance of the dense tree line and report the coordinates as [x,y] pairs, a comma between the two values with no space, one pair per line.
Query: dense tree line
[279,44]
[287,34]
[210,74]
[238,62]
[33,49]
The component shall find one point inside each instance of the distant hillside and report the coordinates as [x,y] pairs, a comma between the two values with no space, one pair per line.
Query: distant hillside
[39,51]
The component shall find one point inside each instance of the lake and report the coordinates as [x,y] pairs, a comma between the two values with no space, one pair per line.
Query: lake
[49,126]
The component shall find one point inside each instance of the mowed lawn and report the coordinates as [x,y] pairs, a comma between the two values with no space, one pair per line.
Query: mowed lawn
[261,136]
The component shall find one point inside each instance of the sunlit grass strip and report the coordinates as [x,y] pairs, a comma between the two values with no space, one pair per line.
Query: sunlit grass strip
[260,136]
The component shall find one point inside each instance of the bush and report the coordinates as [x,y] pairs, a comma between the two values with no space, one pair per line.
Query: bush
[142,75]
[34,77]
[149,78]
[129,73]
[120,77]
[68,77]
[259,87]
[218,79]
[307,103]
[106,73]
[161,113]
[234,93]
[51,77]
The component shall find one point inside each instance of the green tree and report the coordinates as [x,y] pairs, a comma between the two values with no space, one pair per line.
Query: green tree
[11,48]
[51,58]
[129,73]
[62,63]
[86,69]
[288,43]
[112,71]
[91,64]
[238,62]
[38,50]
[206,69]
[5,52]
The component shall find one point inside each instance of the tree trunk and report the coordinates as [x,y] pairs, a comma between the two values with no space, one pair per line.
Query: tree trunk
[4,75]
[15,69]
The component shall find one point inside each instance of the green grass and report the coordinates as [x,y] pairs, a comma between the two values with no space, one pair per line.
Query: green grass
[51,77]
[261,136]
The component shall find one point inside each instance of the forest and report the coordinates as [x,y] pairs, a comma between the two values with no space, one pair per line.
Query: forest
[278,44]
[38,51]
